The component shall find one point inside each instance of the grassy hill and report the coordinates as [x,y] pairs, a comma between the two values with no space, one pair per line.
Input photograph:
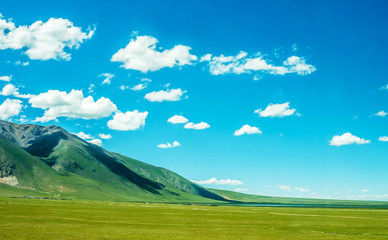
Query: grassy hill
[48,161]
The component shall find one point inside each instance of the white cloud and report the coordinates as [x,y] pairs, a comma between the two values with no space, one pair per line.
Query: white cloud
[169,145]
[214,181]
[298,65]
[364,190]
[108,77]
[177,119]
[20,63]
[257,78]
[144,83]
[105,136]
[141,54]
[240,63]
[6,78]
[91,88]
[168,95]
[146,80]
[123,87]
[276,110]
[83,135]
[289,188]
[246,129]
[10,108]
[96,141]
[241,189]
[11,90]
[206,58]
[128,121]
[73,105]
[381,114]
[301,189]
[383,139]
[139,87]
[346,139]
[197,126]
[384,87]
[285,188]
[43,40]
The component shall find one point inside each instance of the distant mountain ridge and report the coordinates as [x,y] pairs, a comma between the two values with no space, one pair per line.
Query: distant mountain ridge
[49,161]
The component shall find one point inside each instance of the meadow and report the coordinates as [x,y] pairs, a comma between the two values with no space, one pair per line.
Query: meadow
[68,219]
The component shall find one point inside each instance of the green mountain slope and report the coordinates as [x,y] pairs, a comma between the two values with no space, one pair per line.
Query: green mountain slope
[48,161]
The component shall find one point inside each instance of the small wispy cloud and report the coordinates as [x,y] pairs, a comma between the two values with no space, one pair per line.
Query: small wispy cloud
[105,136]
[214,181]
[108,77]
[381,114]
[172,95]
[169,145]
[197,126]
[383,139]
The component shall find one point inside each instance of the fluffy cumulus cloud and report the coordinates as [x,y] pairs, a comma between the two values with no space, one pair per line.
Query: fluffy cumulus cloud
[383,139]
[107,78]
[241,63]
[277,110]
[6,78]
[141,54]
[11,90]
[169,145]
[128,121]
[172,95]
[43,40]
[214,181]
[177,119]
[105,136]
[381,114]
[73,105]
[246,129]
[10,108]
[346,139]
[197,126]
[96,141]
[83,136]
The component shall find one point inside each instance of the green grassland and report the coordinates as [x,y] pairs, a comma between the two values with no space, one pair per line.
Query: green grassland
[64,219]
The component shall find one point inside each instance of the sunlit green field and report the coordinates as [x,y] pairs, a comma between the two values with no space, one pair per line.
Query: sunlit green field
[57,219]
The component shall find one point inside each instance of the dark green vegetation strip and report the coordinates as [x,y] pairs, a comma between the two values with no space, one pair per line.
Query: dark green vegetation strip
[56,219]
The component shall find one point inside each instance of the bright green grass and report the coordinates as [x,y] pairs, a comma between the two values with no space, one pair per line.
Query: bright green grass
[56,219]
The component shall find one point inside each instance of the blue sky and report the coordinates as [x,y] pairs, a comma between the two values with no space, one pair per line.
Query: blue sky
[306,79]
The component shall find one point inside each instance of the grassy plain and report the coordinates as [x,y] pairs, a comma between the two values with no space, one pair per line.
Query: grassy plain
[65,219]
